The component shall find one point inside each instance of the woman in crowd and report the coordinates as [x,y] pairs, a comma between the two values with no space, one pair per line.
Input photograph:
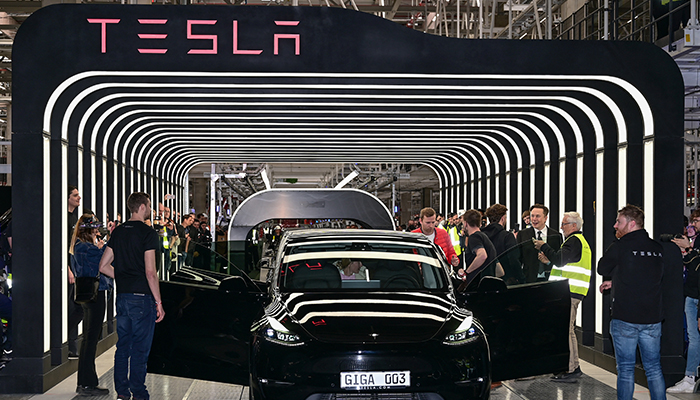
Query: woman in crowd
[86,252]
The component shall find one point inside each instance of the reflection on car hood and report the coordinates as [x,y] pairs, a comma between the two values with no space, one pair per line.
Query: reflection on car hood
[368,317]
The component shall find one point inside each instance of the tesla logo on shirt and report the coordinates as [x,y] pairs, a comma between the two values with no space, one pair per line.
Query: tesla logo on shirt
[646,254]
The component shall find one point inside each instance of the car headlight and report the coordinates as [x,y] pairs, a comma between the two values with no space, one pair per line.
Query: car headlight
[277,333]
[464,333]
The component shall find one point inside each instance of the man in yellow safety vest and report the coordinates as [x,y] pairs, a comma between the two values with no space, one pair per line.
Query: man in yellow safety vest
[572,262]
[453,229]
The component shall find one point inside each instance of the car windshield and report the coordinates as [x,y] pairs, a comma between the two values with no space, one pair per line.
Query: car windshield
[361,266]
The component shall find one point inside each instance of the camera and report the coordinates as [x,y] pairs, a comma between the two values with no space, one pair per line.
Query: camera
[667,237]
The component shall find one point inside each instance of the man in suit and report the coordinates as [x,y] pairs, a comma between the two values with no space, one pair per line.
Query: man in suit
[533,269]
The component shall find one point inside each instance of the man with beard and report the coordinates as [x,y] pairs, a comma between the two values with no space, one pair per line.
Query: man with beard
[633,268]
[504,242]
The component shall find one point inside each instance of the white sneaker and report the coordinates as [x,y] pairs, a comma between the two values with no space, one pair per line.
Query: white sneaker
[685,385]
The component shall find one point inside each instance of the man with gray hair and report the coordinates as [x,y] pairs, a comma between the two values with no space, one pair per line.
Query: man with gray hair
[572,262]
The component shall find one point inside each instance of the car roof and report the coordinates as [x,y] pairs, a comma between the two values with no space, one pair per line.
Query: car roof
[355,234]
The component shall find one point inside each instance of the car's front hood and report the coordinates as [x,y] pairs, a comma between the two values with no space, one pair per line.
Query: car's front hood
[369,317]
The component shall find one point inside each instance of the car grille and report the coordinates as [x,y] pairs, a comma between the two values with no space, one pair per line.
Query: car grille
[375,396]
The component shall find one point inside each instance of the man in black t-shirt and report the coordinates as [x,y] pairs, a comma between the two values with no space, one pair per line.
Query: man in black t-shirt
[480,254]
[130,258]
[504,243]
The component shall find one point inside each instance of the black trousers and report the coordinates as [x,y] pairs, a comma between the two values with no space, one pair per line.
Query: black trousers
[75,315]
[92,327]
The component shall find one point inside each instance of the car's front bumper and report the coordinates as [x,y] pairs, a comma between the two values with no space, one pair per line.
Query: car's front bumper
[450,372]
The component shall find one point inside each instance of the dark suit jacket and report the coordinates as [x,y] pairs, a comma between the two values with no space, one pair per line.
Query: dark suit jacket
[528,252]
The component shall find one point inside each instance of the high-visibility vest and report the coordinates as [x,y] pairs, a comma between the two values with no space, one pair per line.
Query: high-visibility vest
[665,2]
[578,273]
[166,243]
[454,238]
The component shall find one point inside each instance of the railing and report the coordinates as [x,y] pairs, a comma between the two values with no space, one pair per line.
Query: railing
[629,20]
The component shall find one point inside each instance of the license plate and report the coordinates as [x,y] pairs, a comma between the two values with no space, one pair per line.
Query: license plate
[366,380]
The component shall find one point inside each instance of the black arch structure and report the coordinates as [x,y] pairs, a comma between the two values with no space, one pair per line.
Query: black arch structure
[352,204]
[131,97]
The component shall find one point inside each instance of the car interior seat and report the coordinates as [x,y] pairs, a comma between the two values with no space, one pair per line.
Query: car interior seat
[314,274]
[396,274]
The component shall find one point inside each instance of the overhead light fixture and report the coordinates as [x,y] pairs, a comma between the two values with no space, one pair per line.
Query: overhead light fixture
[347,179]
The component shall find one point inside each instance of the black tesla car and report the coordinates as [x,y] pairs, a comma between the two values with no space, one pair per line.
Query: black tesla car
[360,313]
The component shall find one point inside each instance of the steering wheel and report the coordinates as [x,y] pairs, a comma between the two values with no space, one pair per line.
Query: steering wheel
[406,281]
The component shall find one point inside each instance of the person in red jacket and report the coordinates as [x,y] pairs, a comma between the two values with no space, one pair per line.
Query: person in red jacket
[436,234]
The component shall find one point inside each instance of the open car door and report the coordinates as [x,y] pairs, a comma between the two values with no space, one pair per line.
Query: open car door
[206,330]
[527,326]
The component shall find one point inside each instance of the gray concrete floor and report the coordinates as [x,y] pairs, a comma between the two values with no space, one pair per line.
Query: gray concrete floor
[596,384]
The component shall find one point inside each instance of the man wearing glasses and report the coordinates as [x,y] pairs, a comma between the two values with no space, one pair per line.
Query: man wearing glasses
[572,262]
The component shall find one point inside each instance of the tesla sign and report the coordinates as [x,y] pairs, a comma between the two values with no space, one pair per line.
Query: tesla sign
[207,33]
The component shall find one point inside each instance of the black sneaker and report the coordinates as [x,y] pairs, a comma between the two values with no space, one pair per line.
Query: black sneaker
[123,397]
[72,356]
[577,372]
[91,391]
[570,377]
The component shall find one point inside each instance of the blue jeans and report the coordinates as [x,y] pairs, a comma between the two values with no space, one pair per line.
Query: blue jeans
[136,321]
[691,319]
[626,337]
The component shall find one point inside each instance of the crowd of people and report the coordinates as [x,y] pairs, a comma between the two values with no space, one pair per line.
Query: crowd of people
[476,243]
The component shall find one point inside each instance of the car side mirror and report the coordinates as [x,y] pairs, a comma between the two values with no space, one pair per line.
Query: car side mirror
[233,285]
[491,284]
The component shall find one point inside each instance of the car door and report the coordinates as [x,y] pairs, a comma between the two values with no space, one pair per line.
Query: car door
[527,326]
[206,330]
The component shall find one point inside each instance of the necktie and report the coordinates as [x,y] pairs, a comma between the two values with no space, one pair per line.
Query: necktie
[539,235]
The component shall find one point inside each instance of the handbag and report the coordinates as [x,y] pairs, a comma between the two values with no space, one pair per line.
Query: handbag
[86,289]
